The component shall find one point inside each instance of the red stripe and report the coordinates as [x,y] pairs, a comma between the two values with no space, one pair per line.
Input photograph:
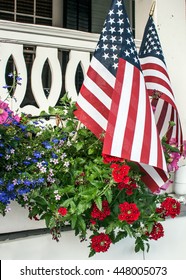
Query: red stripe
[154,66]
[114,107]
[158,81]
[162,116]
[101,83]
[145,152]
[150,182]
[132,115]
[88,122]
[94,101]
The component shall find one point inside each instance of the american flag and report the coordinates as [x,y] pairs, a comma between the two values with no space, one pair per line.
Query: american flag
[113,99]
[158,85]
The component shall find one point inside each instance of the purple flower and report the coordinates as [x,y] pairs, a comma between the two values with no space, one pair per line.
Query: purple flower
[37,154]
[47,145]
[10,187]
[173,161]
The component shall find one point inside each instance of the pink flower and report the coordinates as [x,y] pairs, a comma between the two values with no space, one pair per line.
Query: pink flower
[173,161]
[166,185]
[4,109]
[5,112]
[184,148]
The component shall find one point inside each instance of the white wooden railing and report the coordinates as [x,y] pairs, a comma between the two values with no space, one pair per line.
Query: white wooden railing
[47,41]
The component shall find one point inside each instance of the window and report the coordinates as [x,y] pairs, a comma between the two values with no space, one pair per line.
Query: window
[35,12]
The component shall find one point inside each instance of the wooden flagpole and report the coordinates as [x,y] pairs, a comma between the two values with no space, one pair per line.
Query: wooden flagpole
[152,8]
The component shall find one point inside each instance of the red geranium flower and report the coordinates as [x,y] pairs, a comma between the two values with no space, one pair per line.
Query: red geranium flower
[169,207]
[100,242]
[120,172]
[100,214]
[129,212]
[157,231]
[109,159]
[129,187]
[62,211]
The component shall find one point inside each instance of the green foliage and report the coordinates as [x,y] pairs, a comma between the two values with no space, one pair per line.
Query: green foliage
[58,174]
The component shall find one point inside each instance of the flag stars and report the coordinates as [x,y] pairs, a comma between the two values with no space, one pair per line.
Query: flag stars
[105,47]
[119,3]
[128,30]
[119,13]
[105,56]
[104,38]
[115,65]
[112,30]
[127,53]
[113,39]
[132,51]
[128,41]
[111,12]
[111,21]
[97,47]
[121,30]
[115,56]
[104,29]
[120,21]
[114,47]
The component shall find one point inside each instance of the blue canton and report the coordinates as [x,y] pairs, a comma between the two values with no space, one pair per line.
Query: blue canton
[116,39]
[151,46]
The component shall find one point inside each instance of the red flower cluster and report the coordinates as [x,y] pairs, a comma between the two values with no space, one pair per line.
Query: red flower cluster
[169,207]
[120,173]
[157,231]
[129,212]
[109,159]
[100,214]
[62,211]
[100,242]
[128,187]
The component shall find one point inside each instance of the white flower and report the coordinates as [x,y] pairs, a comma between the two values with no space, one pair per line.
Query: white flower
[8,167]
[7,157]
[63,156]
[57,197]
[43,169]
[67,163]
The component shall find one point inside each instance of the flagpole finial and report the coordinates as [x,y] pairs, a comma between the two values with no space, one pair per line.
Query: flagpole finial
[152,8]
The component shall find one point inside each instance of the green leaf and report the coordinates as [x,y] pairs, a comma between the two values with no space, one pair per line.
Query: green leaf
[51,222]
[73,221]
[81,223]
[41,201]
[82,206]
[98,202]
[79,146]
[108,194]
[120,235]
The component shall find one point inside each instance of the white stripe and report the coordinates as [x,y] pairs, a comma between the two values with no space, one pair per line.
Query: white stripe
[158,87]
[98,92]
[123,108]
[157,115]
[92,112]
[140,123]
[154,174]
[154,60]
[158,74]
[103,72]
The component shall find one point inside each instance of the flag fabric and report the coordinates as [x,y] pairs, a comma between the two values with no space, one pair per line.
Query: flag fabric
[158,85]
[113,100]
